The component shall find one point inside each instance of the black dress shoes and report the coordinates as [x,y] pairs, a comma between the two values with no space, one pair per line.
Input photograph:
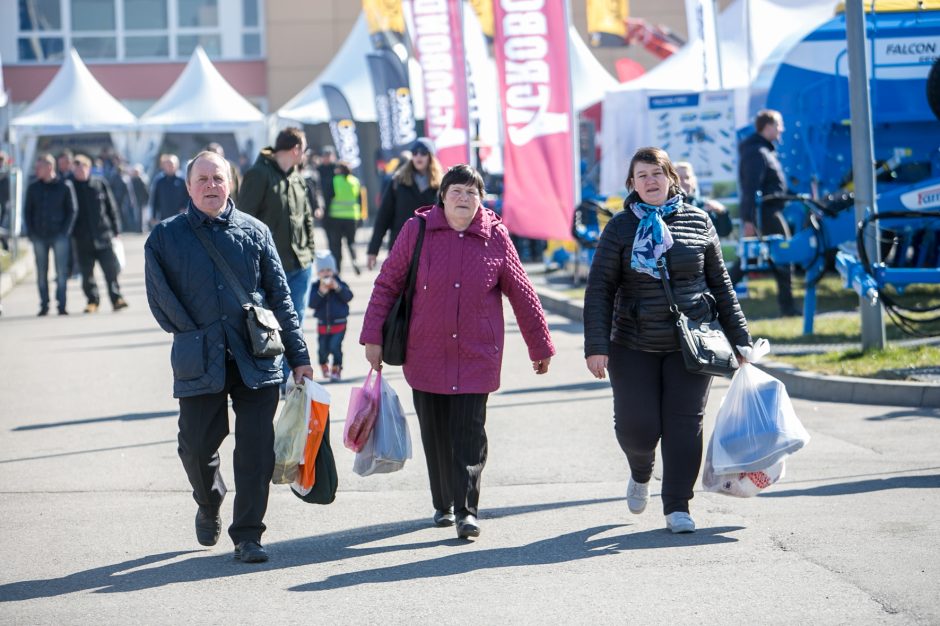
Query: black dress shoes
[208,526]
[467,527]
[444,518]
[250,552]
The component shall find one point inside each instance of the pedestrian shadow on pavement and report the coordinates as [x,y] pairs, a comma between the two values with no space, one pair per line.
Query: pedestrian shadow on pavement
[147,572]
[907,414]
[930,481]
[566,548]
[126,417]
[586,386]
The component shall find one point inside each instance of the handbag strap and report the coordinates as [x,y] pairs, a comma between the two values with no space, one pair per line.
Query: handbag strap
[661,264]
[222,265]
[413,269]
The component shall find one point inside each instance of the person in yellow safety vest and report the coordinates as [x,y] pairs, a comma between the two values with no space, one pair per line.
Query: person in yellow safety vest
[345,214]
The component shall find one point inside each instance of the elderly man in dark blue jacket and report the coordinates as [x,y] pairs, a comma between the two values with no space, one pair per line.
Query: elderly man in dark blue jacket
[212,358]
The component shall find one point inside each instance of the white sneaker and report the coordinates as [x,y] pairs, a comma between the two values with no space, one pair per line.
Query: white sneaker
[638,496]
[680,522]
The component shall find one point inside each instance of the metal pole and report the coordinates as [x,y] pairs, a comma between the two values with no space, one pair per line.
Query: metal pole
[863,161]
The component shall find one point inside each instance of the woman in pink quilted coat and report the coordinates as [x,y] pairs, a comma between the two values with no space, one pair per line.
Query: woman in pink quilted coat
[455,339]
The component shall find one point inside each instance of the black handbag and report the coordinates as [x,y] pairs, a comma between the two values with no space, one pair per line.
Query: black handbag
[705,348]
[395,328]
[325,478]
[261,325]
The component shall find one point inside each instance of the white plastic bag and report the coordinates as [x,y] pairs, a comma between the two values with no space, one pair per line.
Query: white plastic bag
[290,435]
[741,484]
[389,445]
[118,246]
[756,425]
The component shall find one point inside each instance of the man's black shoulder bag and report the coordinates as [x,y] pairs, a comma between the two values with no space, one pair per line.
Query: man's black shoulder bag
[264,331]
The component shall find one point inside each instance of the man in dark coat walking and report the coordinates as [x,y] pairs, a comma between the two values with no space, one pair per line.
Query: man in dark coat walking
[96,225]
[759,170]
[212,358]
[49,215]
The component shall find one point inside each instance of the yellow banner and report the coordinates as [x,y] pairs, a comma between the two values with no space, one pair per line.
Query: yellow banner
[484,11]
[384,16]
[606,20]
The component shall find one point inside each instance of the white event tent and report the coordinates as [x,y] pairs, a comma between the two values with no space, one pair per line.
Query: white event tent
[749,31]
[73,103]
[200,100]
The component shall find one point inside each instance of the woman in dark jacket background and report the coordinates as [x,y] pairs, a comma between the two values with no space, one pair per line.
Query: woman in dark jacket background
[414,185]
[630,332]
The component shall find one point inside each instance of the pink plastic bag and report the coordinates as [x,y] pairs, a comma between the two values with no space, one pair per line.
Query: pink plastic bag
[363,409]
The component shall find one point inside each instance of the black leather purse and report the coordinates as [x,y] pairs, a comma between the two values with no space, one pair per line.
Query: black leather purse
[261,325]
[704,345]
[395,328]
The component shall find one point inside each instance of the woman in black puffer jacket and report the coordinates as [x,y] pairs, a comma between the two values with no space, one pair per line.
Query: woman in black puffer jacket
[630,331]
[414,185]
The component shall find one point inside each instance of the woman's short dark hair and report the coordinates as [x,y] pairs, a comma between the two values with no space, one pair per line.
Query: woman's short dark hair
[461,174]
[655,156]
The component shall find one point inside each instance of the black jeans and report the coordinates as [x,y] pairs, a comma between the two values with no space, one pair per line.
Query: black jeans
[656,399]
[336,231]
[87,255]
[454,438]
[204,425]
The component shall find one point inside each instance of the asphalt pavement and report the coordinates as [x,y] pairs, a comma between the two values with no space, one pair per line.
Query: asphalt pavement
[98,518]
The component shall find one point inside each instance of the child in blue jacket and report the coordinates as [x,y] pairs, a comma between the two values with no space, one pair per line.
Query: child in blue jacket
[329,300]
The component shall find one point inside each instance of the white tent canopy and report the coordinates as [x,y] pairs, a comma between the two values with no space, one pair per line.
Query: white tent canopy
[74,102]
[201,100]
[749,32]
[349,72]
[589,80]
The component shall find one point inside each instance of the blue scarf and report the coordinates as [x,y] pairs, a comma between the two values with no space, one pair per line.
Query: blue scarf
[652,236]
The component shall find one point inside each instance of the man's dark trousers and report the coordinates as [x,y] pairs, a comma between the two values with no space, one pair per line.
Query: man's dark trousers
[204,425]
[774,223]
[87,254]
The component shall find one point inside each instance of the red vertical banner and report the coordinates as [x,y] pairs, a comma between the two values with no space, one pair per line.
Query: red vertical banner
[437,38]
[531,44]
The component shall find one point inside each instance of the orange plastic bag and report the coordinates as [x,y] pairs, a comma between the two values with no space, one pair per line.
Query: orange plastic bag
[317,412]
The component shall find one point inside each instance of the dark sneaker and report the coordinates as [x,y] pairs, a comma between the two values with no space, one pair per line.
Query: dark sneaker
[63,312]
[44,311]
[444,518]
[467,527]
[119,304]
[250,552]
[208,527]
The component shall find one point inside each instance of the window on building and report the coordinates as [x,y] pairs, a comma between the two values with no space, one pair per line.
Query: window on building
[198,13]
[41,49]
[212,44]
[251,45]
[250,13]
[146,47]
[135,29]
[145,14]
[95,15]
[40,15]
[93,48]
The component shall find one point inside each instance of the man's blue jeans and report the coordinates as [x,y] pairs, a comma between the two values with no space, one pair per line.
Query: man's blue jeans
[298,281]
[61,250]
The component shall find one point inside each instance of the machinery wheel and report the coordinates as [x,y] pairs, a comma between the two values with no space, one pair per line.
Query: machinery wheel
[933,88]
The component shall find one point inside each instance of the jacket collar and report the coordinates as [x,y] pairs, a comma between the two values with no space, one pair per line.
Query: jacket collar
[198,218]
[482,225]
